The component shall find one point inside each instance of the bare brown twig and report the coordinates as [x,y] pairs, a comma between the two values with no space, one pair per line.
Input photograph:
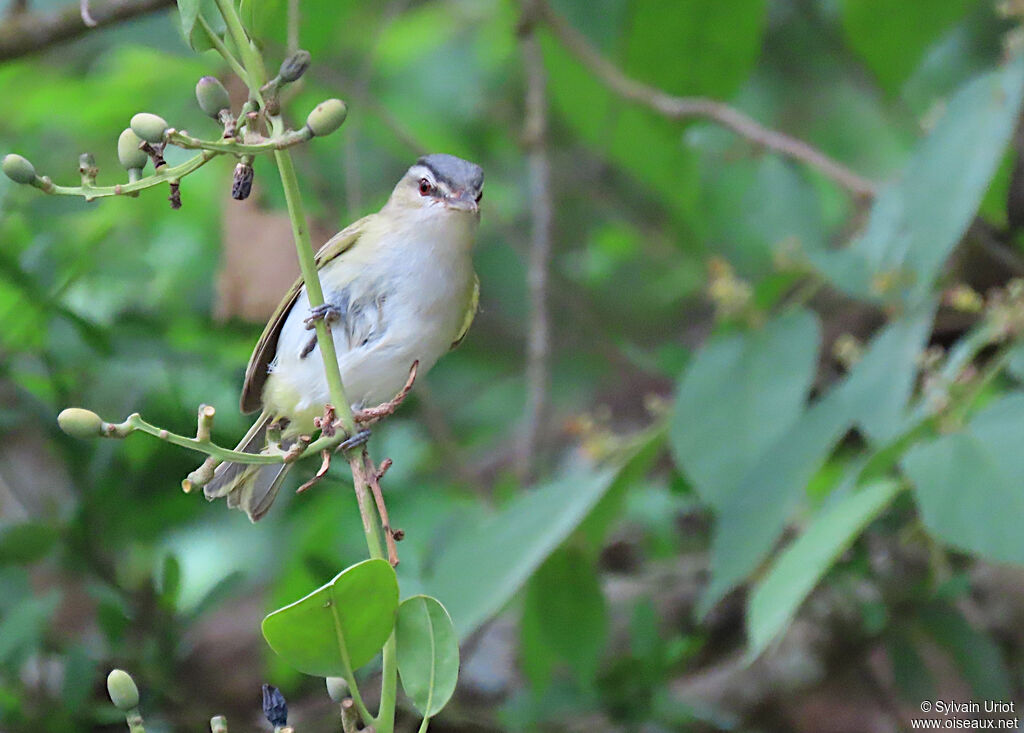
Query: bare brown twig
[538,347]
[26,33]
[682,108]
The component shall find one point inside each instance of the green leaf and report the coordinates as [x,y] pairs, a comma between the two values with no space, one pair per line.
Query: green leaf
[26,543]
[259,16]
[797,570]
[892,39]
[194,34]
[170,581]
[916,222]
[967,484]
[739,395]
[428,653]
[485,564]
[23,625]
[340,626]
[751,518]
[977,655]
[715,44]
[564,617]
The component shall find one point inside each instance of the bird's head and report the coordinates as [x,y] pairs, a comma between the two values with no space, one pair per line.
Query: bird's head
[441,182]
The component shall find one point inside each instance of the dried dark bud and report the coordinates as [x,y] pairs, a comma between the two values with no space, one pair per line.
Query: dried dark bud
[274,707]
[128,150]
[80,423]
[149,127]
[212,96]
[122,690]
[327,117]
[18,169]
[241,184]
[294,66]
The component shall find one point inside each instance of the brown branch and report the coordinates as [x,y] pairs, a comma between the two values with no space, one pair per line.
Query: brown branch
[538,343]
[27,33]
[683,108]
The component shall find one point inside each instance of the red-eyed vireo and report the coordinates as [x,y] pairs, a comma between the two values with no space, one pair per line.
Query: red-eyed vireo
[399,287]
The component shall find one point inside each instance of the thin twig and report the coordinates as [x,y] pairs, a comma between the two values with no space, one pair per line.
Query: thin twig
[26,33]
[538,347]
[682,108]
[373,476]
[83,11]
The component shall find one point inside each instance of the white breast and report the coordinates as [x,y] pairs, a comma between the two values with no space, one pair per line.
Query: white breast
[414,289]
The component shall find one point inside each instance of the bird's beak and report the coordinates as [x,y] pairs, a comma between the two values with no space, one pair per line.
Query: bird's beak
[463,201]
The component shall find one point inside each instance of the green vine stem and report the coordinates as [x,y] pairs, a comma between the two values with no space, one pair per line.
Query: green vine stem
[385,720]
[166,174]
[268,145]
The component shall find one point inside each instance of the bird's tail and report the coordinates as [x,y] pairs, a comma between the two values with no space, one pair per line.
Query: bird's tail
[249,487]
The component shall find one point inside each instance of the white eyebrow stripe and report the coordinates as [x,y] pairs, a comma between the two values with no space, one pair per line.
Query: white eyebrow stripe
[421,171]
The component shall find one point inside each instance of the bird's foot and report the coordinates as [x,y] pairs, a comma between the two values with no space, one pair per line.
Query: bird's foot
[324,312]
[370,415]
[355,441]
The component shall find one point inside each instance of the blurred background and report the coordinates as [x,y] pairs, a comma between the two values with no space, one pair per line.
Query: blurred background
[733,444]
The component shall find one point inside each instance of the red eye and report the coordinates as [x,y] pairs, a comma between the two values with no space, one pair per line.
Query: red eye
[425,187]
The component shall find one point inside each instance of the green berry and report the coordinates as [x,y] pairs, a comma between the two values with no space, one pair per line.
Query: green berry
[337,688]
[80,423]
[18,169]
[326,117]
[123,692]
[294,66]
[212,96]
[128,150]
[149,127]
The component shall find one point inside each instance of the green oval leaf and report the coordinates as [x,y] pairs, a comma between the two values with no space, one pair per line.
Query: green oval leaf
[428,653]
[796,572]
[22,544]
[340,626]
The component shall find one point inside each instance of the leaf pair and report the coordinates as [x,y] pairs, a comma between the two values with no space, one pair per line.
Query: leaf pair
[344,624]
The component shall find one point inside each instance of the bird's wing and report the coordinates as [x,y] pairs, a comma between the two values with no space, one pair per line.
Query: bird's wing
[266,347]
[467,320]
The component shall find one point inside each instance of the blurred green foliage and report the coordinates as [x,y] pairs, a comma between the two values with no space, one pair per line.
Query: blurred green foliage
[709,463]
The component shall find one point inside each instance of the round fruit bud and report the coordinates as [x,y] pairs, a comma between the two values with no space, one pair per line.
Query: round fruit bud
[326,117]
[150,128]
[123,692]
[212,96]
[80,423]
[337,688]
[294,66]
[128,150]
[18,169]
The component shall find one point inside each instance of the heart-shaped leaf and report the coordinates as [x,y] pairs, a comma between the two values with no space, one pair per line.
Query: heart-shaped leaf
[428,653]
[340,626]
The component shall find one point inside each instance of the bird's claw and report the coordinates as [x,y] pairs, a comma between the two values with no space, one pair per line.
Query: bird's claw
[323,312]
[355,441]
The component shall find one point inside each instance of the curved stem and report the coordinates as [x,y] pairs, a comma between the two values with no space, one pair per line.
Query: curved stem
[165,175]
[314,290]
[256,74]
[223,50]
[278,142]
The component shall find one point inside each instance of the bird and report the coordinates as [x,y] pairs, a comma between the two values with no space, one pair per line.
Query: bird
[399,288]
